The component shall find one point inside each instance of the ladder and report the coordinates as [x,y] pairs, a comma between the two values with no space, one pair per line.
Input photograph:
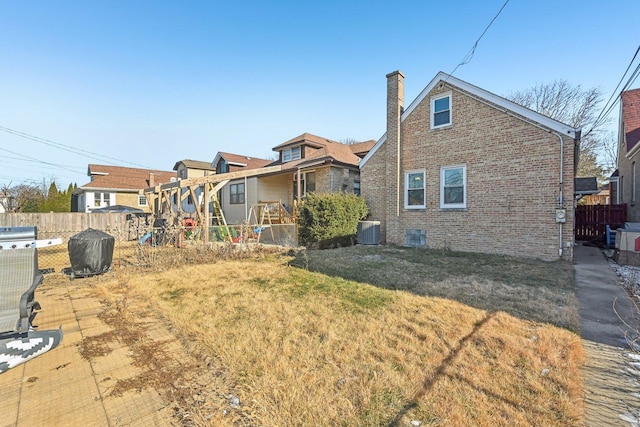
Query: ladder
[218,218]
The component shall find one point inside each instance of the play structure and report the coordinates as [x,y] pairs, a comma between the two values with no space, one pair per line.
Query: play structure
[266,222]
[19,279]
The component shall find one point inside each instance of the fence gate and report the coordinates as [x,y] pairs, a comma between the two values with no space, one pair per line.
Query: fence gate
[592,219]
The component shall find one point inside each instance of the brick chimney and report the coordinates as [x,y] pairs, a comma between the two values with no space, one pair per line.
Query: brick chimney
[395,104]
[152,180]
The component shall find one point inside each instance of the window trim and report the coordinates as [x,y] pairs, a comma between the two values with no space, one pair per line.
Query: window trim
[238,201]
[406,188]
[432,112]
[142,197]
[462,205]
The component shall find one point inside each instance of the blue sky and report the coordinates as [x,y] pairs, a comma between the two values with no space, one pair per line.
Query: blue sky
[152,82]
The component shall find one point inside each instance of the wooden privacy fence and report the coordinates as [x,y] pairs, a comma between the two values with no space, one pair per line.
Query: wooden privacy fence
[54,224]
[591,220]
[65,225]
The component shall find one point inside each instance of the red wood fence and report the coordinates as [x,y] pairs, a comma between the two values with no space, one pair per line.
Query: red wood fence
[592,219]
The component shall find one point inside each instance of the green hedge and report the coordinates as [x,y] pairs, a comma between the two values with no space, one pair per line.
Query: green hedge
[330,220]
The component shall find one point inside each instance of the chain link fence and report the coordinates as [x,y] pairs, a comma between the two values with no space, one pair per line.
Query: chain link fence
[143,247]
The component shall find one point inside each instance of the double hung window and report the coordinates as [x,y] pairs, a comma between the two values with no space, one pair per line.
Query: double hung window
[440,111]
[453,187]
[415,189]
[237,193]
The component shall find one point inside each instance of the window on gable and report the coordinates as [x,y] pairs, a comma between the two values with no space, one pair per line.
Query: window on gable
[453,187]
[237,194]
[440,111]
[222,166]
[142,200]
[290,154]
[415,189]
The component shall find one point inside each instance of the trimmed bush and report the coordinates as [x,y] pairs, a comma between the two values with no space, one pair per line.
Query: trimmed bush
[330,220]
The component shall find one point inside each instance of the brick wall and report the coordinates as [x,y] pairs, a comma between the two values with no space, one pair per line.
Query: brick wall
[512,188]
[625,183]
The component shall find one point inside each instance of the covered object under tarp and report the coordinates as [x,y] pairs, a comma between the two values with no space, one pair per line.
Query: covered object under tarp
[90,252]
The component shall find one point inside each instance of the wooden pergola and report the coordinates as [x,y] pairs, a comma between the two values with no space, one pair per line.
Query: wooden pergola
[160,197]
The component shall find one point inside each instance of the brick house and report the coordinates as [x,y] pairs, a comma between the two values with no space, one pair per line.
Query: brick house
[464,169]
[623,182]
[117,185]
[308,163]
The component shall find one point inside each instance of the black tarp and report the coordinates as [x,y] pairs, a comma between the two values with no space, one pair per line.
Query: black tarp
[90,252]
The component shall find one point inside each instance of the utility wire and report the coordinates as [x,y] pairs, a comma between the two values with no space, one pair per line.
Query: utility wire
[39,161]
[467,58]
[81,169]
[606,109]
[68,148]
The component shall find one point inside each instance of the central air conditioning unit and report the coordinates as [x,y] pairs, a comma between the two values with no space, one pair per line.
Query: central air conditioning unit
[368,232]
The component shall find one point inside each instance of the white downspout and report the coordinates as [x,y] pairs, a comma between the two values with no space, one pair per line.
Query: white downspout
[246,196]
[560,192]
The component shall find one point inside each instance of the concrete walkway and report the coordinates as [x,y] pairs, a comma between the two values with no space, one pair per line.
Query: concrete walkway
[63,388]
[612,390]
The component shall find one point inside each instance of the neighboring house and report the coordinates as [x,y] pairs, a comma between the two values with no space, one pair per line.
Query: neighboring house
[193,168]
[186,169]
[306,163]
[309,163]
[117,185]
[614,183]
[463,169]
[239,195]
[624,181]
[586,191]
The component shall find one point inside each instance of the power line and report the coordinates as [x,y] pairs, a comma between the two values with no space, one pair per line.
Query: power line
[606,109]
[68,148]
[81,169]
[467,58]
[38,161]
[41,170]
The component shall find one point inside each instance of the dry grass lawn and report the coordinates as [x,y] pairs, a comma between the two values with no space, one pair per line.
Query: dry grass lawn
[302,347]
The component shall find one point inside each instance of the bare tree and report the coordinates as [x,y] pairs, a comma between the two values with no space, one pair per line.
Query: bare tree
[21,198]
[578,108]
[349,141]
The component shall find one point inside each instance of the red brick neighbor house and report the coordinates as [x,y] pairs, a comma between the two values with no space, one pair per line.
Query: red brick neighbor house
[624,181]
[117,185]
[461,168]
